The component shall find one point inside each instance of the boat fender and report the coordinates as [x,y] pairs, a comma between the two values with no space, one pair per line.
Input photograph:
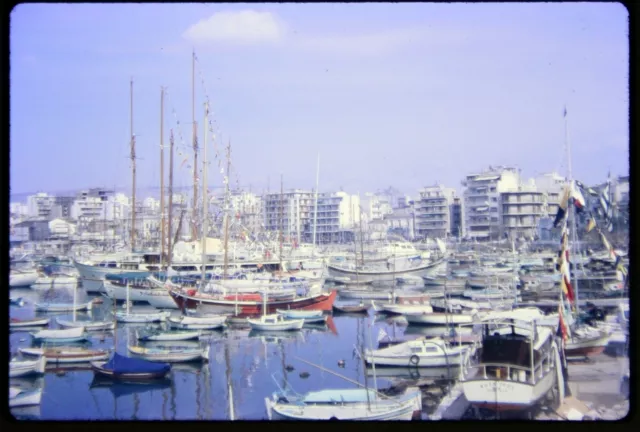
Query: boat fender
[414,359]
[191,292]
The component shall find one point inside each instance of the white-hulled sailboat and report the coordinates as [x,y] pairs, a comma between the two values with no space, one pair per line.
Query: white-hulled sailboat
[88,325]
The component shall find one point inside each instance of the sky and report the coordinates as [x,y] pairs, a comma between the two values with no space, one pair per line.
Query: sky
[402,95]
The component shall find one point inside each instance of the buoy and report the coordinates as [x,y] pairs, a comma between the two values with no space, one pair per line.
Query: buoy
[289,368]
[341,363]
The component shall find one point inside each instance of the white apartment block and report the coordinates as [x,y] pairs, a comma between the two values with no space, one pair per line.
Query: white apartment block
[18,210]
[481,201]
[40,205]
[291,211]
[433,211]
[338,216]
[521,211]
[374,207]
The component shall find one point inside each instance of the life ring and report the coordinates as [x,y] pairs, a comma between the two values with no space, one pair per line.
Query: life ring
[414,359]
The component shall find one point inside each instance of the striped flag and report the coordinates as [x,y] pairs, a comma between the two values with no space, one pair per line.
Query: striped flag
[578,198]
[563,329]
[591,224]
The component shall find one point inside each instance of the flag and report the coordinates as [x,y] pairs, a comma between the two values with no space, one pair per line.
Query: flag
[620,266]
[567,289]
[562,208]
[578,198]
[608,247]
[591,225]
[382,334]
[563,329]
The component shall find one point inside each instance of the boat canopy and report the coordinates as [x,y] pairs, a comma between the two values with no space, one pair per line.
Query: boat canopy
[339,395]
[122,365]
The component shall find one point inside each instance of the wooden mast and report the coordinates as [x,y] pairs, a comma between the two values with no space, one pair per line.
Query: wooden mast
[281,222]
[205,202]
[162,233]
[195,147]
[133,173]
[226,215]
[169,222]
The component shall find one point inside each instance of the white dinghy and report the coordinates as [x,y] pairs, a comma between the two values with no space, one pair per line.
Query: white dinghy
[433,352]
[75,334]
[18,368]
[210,322]
[21,397]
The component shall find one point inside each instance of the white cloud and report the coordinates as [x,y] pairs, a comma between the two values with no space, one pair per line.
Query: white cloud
[244,27]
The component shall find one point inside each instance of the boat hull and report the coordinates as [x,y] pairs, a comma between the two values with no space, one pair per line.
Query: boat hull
[144,376]
[26,367]
[503,395]
[67,356]
[25,398]
[88,325]
[29,323]
[22,280]
[287,325]
[140,317]
[441,319]
[587,348]
[383,276]
[171,336]
[322,302]
[43,307]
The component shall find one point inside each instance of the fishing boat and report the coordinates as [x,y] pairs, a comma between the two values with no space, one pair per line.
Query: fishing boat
[33,322]
[439,318]
[19,397]
[173,335]
[362,294]
[170,354]
[434,352]
[141,317]
[198,322]
[403,309]
[127,368]
[381,275]
[18,368]
[275,322]
[88,325]
[75,334]
[518,364]
[587,341]
[343,404]
[66,354]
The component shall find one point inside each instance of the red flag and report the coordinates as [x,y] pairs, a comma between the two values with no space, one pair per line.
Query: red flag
[562,324]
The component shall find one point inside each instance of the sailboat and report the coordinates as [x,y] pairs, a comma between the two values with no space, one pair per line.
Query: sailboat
[88,325]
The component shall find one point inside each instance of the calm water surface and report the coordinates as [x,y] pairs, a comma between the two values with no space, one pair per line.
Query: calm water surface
[242,363]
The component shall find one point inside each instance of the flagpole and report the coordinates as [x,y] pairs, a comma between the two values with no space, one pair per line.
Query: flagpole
[572,214]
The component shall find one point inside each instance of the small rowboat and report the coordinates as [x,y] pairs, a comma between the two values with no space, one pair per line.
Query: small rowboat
[21,397]
[18,368]
[275,322]
[130,369]
[66,354]
[34,322]
[361,308]
[60,336]
[171,354]
[299,314]
[63,307]
[171,335]
[198,322]
[88,325]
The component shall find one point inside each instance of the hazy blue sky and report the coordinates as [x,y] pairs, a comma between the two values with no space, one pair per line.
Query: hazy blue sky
[389,94]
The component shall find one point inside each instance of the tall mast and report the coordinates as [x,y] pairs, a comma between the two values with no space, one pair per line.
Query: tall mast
[195,145]
[315,211]
[281,221]
[133,174]
[226,214]
[169,241]
[205,205]
[572,209]
[162,233]
[361,239]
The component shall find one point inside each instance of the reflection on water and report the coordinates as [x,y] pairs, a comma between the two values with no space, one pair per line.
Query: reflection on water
[233,384]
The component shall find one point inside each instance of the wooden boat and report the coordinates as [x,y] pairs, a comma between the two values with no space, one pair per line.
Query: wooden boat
[361,308]
[60,336]
[141,317]
[587,341]
[198,322]
[171,354]
[432,352]
[63,307]
[130,369]
[21,397]
[343,404]
[275,322]
[518,365]
[173,335]
[33,322]
[439,318]
[18,368]
[403,309]
[88,325]
[66,354]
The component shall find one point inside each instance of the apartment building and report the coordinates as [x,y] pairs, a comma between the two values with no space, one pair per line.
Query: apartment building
[40,205]
[521,211]
[338,216]
[457,217]
[290,211]
[433,212]
[551,185]
[481,201]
